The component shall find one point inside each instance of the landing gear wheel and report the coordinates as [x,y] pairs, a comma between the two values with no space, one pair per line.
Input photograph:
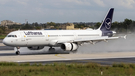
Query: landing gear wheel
[74,51]
[51,49]
[17,52]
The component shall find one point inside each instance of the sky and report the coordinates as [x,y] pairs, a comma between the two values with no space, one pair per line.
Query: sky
[61,11]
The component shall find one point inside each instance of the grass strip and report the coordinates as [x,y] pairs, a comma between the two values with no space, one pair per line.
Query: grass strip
[2,36]
[62,69]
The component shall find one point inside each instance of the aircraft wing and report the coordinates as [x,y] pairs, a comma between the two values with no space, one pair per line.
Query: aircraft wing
[91,39]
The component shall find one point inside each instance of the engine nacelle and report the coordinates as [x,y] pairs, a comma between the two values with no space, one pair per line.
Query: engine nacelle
[35,47]
[69,46]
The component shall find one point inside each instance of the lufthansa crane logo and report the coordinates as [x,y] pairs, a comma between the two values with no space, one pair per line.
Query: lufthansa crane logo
[108,23]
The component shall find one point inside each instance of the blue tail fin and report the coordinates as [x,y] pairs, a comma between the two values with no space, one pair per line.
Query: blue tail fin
[106,24]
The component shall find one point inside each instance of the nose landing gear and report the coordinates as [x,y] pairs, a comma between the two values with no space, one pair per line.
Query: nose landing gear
[18,52]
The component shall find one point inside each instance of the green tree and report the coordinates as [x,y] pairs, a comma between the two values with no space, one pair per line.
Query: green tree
[27,27]
[1,31]
[37,27]
[115,25]
[97,25]
[51,23]
[132,26]
[126,23]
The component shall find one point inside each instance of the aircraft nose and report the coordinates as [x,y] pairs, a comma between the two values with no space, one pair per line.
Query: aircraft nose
[5,41]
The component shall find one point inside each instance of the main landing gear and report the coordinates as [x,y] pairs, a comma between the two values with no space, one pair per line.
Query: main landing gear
[51,49]
[17,52]
[74,51]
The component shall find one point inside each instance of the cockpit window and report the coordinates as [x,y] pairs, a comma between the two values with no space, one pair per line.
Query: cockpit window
[11,36]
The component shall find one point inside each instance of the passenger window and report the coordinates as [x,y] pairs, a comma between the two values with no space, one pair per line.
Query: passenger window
[15,36]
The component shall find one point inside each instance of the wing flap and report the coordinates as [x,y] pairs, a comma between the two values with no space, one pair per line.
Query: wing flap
[96,39]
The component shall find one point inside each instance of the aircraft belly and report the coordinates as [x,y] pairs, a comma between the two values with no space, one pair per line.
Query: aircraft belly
[36,41]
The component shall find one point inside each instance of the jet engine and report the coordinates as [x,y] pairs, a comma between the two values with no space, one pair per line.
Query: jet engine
[69,46]
[35,47]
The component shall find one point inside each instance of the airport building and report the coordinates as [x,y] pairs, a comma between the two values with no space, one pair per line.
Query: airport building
[67,26]
[8,23]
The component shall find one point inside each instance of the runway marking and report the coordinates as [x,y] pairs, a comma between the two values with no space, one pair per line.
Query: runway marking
[59,56]
[66,59]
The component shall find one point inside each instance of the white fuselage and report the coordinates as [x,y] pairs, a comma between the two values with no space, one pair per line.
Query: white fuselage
[47,37]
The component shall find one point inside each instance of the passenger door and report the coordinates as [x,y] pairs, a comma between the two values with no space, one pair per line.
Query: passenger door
[23,39]
[46,38]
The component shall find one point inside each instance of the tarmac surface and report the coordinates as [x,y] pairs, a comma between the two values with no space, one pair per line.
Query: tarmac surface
[0,40]
[101,58]
[114,51]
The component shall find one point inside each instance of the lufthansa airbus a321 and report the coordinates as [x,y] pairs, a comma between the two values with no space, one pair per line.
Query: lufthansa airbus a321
[68,40]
